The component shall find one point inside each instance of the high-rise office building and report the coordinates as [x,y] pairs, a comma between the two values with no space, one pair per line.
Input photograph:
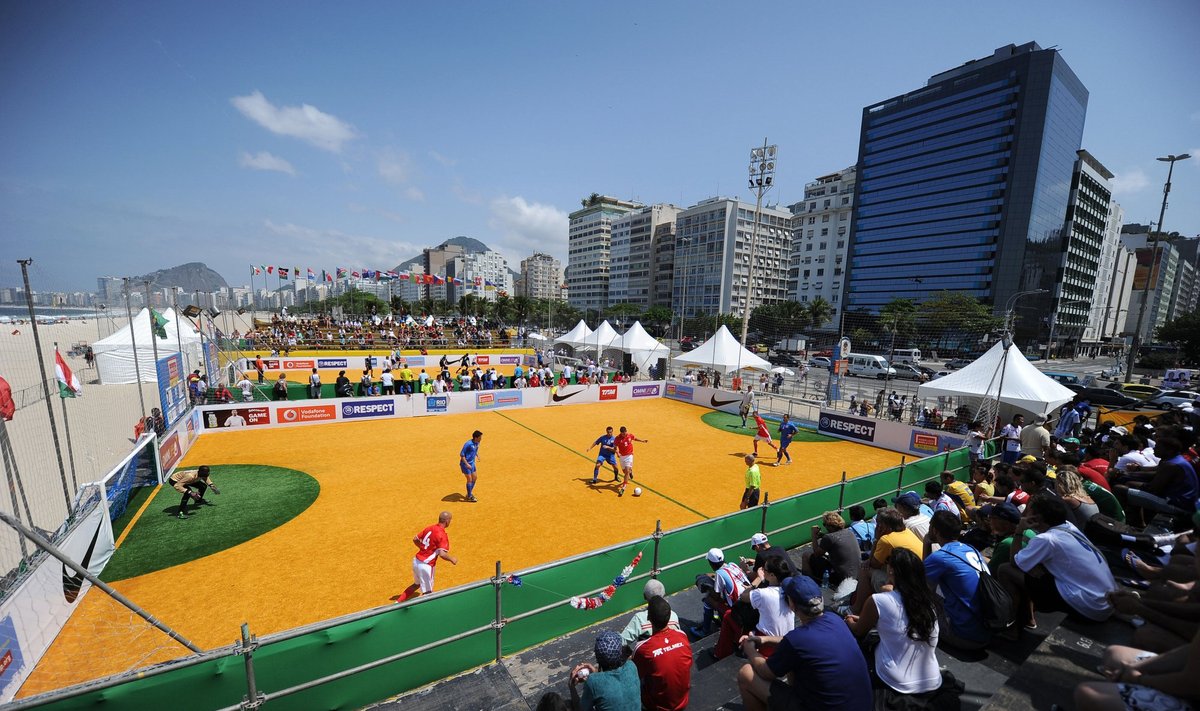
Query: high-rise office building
[541,277]
[1155,278]
[631,256]
[963,185]
[589,242]
[712,257]
[822,233]
[1110,298]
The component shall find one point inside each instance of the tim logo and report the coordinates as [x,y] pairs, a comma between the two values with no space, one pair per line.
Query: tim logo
[369,408]
[483,360]
[608,392]
[646,390]
[484,401]
[437,403]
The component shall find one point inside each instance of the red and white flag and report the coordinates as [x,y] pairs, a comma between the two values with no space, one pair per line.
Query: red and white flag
[68,382]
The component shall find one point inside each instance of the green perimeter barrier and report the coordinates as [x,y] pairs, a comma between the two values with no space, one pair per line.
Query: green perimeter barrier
[455,631]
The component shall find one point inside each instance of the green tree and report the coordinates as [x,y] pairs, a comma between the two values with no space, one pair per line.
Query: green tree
[522,307]
[658,318]
[1184,331]
[502,308]
[898,319]
[624,312]
[819,312]
[954,319]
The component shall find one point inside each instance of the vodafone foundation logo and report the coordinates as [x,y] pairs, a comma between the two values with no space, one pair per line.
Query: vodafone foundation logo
[308,413]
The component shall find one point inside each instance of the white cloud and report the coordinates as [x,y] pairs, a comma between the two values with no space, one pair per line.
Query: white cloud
[395,167]
[415,194]
[305,122]
[528,226]
[326,249]
[265,161]
[471,197]
[1130,181]
[444,160]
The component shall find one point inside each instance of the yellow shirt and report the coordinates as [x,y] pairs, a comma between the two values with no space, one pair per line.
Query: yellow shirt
[753,477]
[963,496]
[899,539]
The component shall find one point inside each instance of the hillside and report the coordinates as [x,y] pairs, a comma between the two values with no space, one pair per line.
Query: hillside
[193,276]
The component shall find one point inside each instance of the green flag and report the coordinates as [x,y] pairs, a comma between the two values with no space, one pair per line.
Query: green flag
[158,324]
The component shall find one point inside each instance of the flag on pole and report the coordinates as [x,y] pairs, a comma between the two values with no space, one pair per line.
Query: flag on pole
[68,382]
[328,277]
[283,272]
[271,269]
[255,270]
[341,272]
[311,275]
[158,324]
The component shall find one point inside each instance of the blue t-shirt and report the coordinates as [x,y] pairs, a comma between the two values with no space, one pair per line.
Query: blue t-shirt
[469,450]
[829,671]
[612,690]
[1182,491]
[958,581]
[607,444]
[787,430]
[864,533]
[924,509]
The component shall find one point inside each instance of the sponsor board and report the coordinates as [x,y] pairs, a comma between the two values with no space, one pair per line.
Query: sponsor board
[418,361]
[11,660]
[307,413]
[510,360]
[193,426]
[436,403]
[683,392]
[646,390]
[172,388]
[483,360]
[169,453]
[608,392]
[332,362]
[214,419]
[369,408]
[497,399]
[926,443]
[299,364]
[852,427]
[270,364]
[561,394]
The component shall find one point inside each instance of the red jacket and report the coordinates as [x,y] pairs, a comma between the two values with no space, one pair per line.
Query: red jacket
[1095,470]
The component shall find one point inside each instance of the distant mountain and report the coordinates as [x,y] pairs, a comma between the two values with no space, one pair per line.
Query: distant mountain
[193,276]
[469,244]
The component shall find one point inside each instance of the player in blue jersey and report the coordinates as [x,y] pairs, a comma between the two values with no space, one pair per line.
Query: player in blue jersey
[787,430]
[466,462]
[607,455]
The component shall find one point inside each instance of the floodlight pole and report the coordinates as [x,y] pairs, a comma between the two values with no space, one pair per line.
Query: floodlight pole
[762,175]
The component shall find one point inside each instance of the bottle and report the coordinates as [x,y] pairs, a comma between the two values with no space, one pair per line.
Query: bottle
[825,579]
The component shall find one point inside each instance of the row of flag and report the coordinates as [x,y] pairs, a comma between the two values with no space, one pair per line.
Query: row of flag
[285,273]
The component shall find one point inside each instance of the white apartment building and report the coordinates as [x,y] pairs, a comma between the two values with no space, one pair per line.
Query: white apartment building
[484,274]
[541,277]
[1114,281]
[1154,281]
[589,241]
[632,257]
[822,231]
[712,257]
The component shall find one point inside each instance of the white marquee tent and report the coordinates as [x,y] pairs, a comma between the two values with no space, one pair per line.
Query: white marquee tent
[115,354]
[723,352]
[575,336]
[644,348]
[605,336]
[1004,376]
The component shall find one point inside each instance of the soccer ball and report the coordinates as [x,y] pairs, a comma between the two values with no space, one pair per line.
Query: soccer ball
[637,491]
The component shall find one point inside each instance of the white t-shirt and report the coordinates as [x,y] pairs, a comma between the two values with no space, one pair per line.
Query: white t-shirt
[945,502]
[1012,438]
[918,524]
[1079,570]
[235,421]
[907,666]
[387,378]
[246,386]
[1135,457]
[774,617]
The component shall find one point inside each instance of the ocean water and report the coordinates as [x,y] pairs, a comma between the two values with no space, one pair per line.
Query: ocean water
[22,312]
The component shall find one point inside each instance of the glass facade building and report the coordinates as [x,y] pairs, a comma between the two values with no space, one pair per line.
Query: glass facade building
[963,185]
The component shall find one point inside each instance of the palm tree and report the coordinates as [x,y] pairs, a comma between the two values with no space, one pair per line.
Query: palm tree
[819,312]
[521,308]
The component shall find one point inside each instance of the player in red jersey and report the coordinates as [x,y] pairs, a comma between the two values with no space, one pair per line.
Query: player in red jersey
[763,434]
[432,543]
[624,442]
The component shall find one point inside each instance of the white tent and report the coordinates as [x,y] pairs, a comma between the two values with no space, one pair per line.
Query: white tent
[575,336]
[723,352]
[644,348]
[1008,377]
[115,354]
[605,336]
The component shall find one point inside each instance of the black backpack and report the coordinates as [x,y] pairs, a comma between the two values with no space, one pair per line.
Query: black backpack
[996,605]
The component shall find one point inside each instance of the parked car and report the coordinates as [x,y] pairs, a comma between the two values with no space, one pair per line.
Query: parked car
[958,363]
[686,344]
[819,362]
[783,359]
[940,374]
[759,348]
[1105,396]
[1143,392]
[1173,398]
[904,371]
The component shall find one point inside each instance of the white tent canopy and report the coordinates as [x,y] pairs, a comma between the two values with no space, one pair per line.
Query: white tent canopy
[1010,378]
[575,336]
[723,352]
[641,346]
[605,336]
[115,354]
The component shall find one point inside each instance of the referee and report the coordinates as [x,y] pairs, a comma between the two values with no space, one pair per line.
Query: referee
[192,483]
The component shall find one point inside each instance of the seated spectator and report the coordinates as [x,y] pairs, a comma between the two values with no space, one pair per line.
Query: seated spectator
[1002,520]
[664,661]
[907,620]
[820,656]
[835,553]
[1080,506]
[1034,481]
[953,570]
[960,493]
[1007,491]
[639,629]
[728,583]
[863,530]
[1091,466]
[762,551]
[1138,679]
[1074,576]
[981,480]
[872,575]
[939,499]
[774,617]
[1171,487]
[916,514]
[612,683]
[1167,623]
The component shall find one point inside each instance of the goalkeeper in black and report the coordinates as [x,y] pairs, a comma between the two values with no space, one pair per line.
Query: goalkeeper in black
[192,483]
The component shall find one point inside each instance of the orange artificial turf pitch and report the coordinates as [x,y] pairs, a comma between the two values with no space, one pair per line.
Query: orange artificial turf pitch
[383,481]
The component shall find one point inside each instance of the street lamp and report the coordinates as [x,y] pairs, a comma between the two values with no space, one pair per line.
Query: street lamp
[1008,312]
[1054,321]
[762,175]
[1137,333]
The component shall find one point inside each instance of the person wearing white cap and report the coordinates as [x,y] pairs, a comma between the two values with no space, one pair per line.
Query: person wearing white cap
[762,550]
[638,629]
[728,583]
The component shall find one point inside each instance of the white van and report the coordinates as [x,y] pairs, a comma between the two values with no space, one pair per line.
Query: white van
[870,366]
[912,356]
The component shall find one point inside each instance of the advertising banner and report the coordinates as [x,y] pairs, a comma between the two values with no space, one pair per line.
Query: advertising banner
[651,390]
[496,399]
[170,452]
[307,413]
[172,388]
[608,392]
[332,363]
[437,403]
[510,360]
[483,360]
[233,417]
[298,364]
[677,391]
[925,442]
[194,426]
[847,427]
[368,408]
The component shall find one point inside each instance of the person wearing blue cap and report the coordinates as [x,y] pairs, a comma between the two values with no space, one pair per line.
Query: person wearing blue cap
[612,683]
[827,669]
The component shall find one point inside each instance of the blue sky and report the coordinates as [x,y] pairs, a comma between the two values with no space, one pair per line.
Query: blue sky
[136,136]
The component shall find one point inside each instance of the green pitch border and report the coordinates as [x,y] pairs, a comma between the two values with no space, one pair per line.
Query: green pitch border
[733,423]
